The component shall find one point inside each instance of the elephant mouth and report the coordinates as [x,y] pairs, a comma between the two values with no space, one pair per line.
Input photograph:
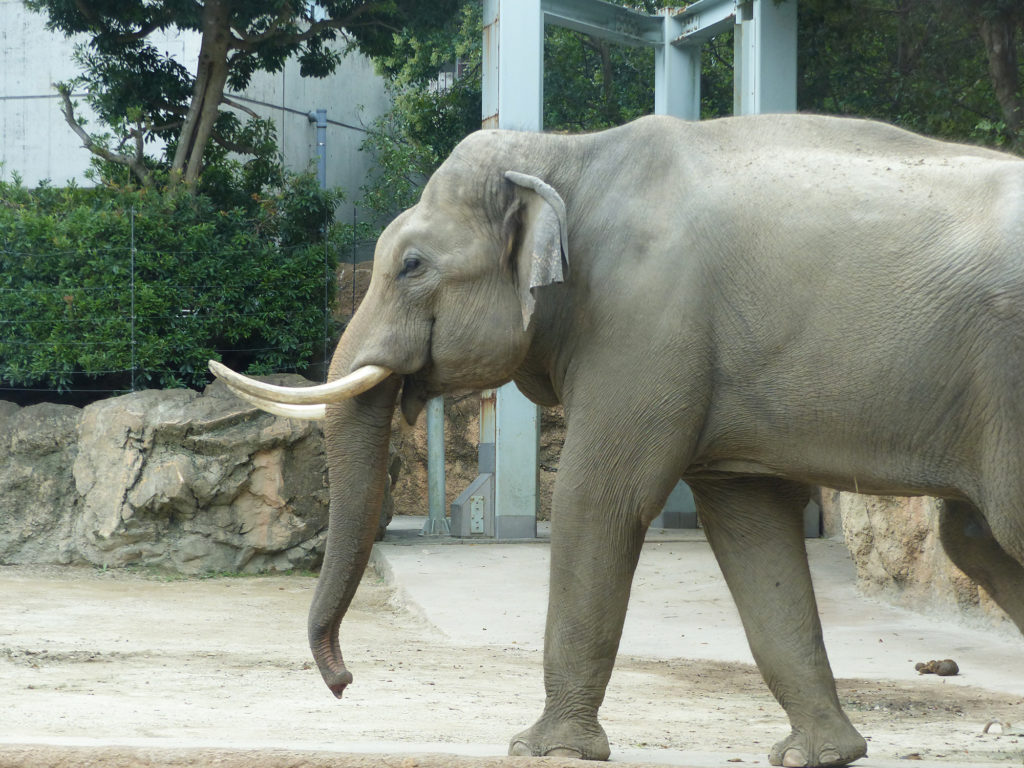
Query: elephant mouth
[420,386]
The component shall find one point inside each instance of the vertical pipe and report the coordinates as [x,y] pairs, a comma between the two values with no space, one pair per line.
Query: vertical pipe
[319,117]
[437,523]
[321,147]
[485,450]
[355,228]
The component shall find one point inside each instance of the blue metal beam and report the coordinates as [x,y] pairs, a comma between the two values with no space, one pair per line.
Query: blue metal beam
[604,20]
[705,19]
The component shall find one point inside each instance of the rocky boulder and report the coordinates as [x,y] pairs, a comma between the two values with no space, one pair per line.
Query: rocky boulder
[198,482]
[192,482]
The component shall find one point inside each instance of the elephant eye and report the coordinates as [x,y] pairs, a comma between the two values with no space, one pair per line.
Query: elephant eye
[410,265]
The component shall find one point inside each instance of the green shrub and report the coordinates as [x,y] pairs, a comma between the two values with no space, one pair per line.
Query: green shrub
[246,285]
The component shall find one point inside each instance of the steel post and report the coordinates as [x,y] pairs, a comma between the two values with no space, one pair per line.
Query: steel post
[436,523]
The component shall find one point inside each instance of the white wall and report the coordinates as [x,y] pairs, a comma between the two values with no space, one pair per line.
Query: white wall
[36,143]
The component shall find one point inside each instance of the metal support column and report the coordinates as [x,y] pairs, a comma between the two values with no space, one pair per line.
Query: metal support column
[764,79]
[513,62]
[436,523]
[513,65]
[676,73]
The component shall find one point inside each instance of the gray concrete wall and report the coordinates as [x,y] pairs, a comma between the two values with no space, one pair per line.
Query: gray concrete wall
[354,96]
[36,143]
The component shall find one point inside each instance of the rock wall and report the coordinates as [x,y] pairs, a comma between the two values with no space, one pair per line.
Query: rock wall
[38,501]
[177,479]
[894,543]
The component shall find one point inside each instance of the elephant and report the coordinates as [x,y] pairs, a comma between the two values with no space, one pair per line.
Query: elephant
[755,305]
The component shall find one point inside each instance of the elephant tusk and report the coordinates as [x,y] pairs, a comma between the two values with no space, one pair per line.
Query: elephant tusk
[305,412]
[340,389]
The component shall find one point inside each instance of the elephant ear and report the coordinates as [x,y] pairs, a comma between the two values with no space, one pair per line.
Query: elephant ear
[538,246]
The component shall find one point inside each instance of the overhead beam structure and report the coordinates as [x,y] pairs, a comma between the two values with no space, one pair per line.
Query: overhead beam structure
[613,23]
[513,77]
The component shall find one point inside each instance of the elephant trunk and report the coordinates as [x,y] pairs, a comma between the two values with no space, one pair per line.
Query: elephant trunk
[357,433]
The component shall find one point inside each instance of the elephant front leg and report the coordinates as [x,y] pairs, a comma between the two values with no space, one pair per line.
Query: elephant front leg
[593,556]
[755,528]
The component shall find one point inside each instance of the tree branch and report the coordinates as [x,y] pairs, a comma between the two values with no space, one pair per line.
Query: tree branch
[315,29]
[239,107]
[232,146]
[136,164]
[90,16]
[87,13]
[251,41]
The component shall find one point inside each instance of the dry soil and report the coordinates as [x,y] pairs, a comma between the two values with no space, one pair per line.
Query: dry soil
[119,669]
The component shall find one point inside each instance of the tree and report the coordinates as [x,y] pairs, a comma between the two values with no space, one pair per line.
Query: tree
[130,81]
[1001,25]
[949,68]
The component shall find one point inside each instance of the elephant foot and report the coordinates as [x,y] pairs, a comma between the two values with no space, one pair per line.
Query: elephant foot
[800,750]
[552,738]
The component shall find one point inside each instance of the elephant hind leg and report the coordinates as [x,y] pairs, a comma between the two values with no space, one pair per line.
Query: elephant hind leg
[978,551]
[755,528]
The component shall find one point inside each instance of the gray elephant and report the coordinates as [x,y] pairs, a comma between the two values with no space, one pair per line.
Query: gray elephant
[756,305]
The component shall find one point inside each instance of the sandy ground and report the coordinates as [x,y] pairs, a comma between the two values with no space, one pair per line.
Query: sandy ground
[113,668]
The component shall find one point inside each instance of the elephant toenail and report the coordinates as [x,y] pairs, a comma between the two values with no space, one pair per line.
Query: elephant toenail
[520,749]
[564,752]
[829,756]
[794,758]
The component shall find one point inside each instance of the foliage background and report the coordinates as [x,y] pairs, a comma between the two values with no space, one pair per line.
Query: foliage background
[243,284]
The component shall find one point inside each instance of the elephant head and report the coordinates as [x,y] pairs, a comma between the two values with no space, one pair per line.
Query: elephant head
[449,307]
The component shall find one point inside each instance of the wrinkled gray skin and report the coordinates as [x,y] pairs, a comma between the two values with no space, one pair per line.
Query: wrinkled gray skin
[756,305]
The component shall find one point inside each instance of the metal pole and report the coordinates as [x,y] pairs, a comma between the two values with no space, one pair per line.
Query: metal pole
[131,218]
[512,97]
[327,298]
[437,523]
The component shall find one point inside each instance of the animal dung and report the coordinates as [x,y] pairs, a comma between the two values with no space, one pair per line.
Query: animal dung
[943,668]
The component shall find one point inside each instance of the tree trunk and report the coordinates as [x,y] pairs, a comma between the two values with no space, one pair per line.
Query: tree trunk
[998,32]
[611,104]
[211,77]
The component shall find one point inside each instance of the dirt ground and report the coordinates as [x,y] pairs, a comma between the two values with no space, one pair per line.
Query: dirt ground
[115,668]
